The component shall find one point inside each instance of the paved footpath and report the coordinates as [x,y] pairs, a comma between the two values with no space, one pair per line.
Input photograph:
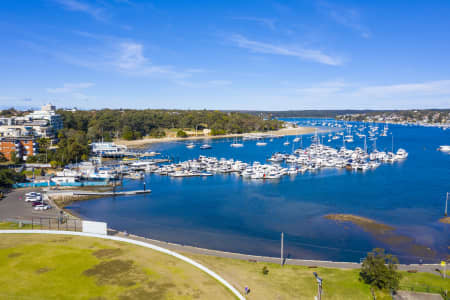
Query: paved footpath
[429,268]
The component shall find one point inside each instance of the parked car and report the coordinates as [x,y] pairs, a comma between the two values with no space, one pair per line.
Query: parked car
[42,207]
[32,199]
[32,194]
[39,202]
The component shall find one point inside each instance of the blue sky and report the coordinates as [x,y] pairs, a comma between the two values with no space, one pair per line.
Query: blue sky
[262,55]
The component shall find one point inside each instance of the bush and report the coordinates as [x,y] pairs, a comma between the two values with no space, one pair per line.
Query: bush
[380,270]
[127,133]
[181,133]
[215,131]
[157,133]
[8,177]
[265,270]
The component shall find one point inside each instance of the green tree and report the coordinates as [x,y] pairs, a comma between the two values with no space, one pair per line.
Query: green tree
[181,133]
[8,177]
[127,133]
[15,158]
[2,157]
[380,270]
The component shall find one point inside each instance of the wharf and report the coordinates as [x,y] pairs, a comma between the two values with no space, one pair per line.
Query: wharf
[111,193]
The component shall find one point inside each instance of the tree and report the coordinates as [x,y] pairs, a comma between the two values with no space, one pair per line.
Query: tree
[380,270]
[127,133]
[15,158]
[181,133]
[2,157]
[8,177]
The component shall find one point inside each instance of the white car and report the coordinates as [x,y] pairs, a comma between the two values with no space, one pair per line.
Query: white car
[31,199]
[33,194]
[42,207]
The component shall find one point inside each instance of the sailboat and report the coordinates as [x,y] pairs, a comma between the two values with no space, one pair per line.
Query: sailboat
[235,144]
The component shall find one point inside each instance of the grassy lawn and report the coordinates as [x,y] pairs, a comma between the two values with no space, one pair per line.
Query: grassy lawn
[13,225]
[58,267]
[65,267]
[297,282]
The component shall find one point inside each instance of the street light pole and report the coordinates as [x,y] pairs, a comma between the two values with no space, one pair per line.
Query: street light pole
[319,286]
[446,204]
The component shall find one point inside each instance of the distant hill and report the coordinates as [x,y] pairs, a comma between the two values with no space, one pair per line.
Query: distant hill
[325,113]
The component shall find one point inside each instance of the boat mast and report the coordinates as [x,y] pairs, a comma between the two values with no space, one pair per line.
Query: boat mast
[392,143]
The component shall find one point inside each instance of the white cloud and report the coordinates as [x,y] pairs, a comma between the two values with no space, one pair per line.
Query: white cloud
[70,88]
[348,17]
[323,89]
[205,84]
[429,88]
[305,54]
[131,56]
[75,5]
[269,23]
[340,94]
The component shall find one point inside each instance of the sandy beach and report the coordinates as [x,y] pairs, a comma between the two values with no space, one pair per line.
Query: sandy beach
[146,141]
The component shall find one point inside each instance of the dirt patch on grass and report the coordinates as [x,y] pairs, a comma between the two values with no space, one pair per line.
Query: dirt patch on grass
[14,254]
[42,270]
[149,290]
[116,272]
[107,253]
[62,239]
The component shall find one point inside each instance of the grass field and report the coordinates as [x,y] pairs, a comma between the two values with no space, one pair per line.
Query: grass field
[58,267]
[66,267]
[297,282]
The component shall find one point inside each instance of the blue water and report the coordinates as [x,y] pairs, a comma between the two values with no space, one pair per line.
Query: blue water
[228,213]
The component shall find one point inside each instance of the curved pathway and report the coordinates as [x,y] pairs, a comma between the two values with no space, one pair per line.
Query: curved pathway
[138,243]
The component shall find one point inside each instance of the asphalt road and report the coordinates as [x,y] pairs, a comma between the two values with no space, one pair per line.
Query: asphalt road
[13,206]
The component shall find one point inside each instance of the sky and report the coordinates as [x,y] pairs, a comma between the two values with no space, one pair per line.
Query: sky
[238,55]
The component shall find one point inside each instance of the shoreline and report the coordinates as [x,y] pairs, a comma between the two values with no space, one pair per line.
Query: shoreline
[136,144]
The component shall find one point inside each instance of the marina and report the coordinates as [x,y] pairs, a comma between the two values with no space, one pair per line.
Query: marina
[210,200]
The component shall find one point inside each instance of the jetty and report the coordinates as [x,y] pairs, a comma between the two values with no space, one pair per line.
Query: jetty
[111,193]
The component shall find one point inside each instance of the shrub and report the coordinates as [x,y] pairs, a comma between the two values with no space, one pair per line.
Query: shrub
[380,270]
[181,133]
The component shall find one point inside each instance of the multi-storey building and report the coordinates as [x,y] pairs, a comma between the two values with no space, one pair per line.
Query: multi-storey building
[21,146]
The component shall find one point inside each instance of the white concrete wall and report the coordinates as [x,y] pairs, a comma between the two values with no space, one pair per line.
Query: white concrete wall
[94,227]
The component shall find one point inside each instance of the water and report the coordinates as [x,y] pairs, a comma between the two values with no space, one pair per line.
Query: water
[226,212]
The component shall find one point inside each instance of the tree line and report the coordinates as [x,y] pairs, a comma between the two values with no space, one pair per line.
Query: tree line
[135,124]
[86,126]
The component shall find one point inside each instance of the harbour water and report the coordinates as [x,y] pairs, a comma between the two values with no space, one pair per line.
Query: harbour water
[229,213]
